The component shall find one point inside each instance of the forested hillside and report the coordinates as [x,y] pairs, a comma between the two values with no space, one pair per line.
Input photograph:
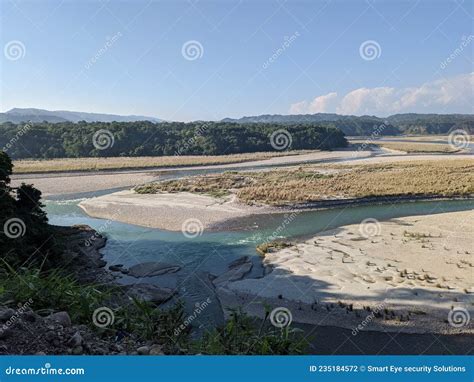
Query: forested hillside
[71,140]
[364,125]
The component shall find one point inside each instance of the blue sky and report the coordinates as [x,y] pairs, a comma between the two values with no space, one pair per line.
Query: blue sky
[244,57]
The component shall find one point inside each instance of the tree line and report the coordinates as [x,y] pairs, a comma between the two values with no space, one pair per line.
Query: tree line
[112,139]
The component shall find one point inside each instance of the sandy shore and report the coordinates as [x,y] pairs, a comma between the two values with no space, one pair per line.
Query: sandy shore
[168,211]
[74,183]
[412,272]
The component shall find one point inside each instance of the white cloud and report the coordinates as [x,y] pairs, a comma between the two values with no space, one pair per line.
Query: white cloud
[446,95]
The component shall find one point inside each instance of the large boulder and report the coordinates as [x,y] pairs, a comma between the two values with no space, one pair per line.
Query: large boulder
[236,271]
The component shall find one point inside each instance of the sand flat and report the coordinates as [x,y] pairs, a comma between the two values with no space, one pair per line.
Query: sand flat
[413,270]
[168,211]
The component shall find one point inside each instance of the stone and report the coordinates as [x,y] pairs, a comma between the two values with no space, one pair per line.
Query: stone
[156,350]
[150,293]
[237,270]
[152,268]
[143,350]
[75,340]
[5,331]
[6,313]
[77,350]
[61,318]
[116,267]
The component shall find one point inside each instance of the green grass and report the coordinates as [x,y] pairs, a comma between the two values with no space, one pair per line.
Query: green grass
[52,291]
[243,335]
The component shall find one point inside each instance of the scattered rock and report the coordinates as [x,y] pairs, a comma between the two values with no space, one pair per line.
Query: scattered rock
[6,313]
[143,350]
[116,267]
[237,270]
[77,350]
[61,318]
[149,292]
[76,340]
[156,350]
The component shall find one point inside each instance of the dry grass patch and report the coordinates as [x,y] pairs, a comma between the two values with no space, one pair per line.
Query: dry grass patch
[410,147]
[117,163]
[317,183]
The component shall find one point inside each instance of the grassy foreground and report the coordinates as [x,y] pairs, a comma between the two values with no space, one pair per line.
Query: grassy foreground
[317,183]
[117,163]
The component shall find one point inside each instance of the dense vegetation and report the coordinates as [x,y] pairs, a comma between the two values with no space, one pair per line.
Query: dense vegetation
[70,140]
[25,236]
[367,125]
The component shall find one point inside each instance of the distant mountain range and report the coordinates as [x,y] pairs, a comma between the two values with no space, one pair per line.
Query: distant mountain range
[18,115]
[351,125]
[411,123]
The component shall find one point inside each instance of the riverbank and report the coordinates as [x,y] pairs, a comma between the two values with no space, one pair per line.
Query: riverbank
[412,274]
[219,202]
[58,183]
